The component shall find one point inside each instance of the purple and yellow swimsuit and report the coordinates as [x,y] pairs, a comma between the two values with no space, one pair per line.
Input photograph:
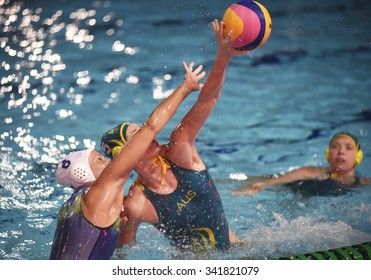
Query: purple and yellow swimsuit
[77,239]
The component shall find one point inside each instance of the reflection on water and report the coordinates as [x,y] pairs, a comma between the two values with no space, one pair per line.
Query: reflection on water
[71,69]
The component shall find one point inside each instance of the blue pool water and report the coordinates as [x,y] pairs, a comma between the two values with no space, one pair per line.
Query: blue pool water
[70,70]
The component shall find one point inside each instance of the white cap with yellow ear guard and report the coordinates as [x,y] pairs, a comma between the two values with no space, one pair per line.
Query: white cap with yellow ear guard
[359,155]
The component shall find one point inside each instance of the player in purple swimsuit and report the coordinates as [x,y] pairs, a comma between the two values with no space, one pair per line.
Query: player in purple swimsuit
[88,223]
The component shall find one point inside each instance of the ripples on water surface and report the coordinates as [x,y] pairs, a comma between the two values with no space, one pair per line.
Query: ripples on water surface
[72,69]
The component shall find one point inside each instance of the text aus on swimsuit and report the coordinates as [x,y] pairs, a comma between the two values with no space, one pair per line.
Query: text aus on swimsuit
[187,199]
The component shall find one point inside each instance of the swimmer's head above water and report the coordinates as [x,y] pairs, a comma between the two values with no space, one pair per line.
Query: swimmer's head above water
[74,169]
[355,141]
[113,140]
[116,138]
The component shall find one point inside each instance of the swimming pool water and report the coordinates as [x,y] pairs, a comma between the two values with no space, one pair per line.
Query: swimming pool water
[72,69]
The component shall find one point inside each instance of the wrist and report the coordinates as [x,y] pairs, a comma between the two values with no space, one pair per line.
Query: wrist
[222,58]
[185,88]
[258,186]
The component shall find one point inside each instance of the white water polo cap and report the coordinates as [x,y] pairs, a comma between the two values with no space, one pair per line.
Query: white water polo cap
[74,169]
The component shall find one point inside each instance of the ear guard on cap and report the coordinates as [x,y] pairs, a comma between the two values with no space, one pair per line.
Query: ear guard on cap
[114,140]
[116,150]
[359,157]
[79,172]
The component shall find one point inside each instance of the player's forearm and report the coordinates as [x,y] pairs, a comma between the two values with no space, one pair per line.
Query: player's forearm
[167,108]
[215,80]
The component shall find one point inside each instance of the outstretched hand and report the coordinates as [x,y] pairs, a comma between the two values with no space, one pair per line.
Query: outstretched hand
[192,77]
[224,43]
[251,189]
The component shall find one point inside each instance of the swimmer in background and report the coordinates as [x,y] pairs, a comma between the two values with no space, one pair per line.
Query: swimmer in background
[88,224]
[174,190]
[343,154]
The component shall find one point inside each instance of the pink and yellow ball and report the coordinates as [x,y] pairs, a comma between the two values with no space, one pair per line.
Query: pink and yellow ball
[249,23]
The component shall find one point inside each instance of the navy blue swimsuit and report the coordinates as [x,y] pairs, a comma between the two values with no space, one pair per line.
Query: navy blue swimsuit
[192,216]
[325,187]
